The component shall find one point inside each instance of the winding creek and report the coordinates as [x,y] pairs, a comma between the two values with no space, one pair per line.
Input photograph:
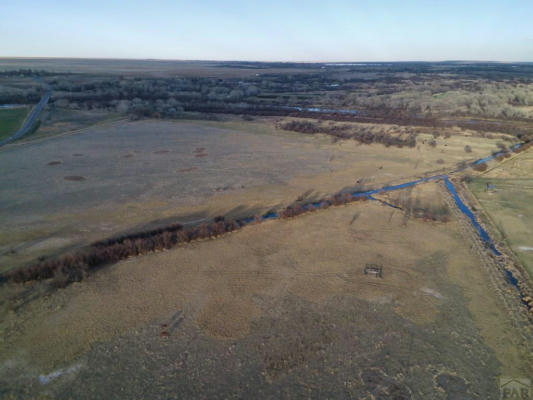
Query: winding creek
[483,235]
[466,211]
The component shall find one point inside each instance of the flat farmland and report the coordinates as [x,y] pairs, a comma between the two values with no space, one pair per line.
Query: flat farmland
[66,191]
[59,121]
[509,203]
[284,301]
[191,230]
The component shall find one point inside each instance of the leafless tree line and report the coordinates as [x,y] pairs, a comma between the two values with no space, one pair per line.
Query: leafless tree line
[363,135]
[77,265]
[74,267]
[338,199]
[426,210]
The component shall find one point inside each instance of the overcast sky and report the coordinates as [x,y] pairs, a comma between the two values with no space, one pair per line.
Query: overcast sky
[284,30]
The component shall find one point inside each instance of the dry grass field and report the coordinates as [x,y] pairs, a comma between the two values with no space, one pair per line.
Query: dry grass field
[282,308]
[60,121]
[277,309]
[509,203]
[66,191]
[163,236]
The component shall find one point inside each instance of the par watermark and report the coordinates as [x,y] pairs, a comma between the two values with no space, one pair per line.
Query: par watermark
[515,389]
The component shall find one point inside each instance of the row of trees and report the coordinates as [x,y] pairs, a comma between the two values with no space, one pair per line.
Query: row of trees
[526,145]
[418,98]
[22,72]
[361,134]
[75,266]
[433,213]
[31,96]
[447,97]
[336,200]
[502,154]
[428,209]
[267,90]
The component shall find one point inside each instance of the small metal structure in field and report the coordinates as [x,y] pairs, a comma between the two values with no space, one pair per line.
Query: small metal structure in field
[374,269]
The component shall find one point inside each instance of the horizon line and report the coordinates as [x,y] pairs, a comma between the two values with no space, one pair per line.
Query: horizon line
[261,61]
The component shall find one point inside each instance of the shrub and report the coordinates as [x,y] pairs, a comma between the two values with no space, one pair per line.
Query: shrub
[501,146]
[480,167]
[467,178]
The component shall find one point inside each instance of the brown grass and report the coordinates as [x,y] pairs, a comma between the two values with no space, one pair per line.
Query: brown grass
[74,267]
[227,285]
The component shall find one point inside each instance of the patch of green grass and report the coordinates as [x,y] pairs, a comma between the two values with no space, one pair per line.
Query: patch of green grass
[10,120]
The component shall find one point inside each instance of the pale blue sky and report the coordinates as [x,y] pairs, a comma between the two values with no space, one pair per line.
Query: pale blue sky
[334,30]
